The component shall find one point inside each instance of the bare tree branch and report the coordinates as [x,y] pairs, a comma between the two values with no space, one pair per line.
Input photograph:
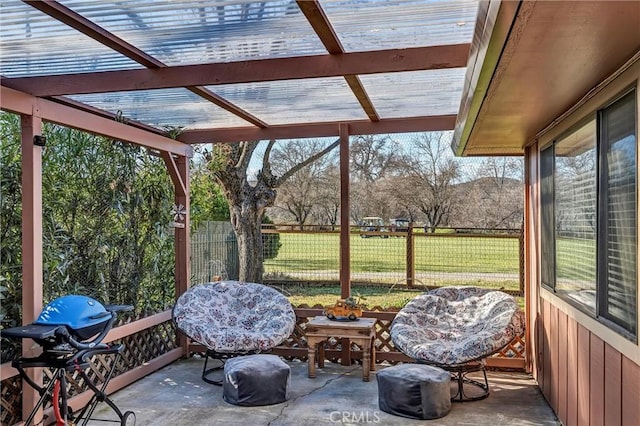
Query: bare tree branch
[245,154]
[309,160]
[266,164]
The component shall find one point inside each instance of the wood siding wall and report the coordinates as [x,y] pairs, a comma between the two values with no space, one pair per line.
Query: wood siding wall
[586,381]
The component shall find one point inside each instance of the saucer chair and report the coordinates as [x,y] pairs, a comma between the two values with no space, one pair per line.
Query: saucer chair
[456,329]
[232,318]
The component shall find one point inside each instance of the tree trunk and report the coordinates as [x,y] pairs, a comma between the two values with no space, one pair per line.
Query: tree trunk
[247,203]
[246,223]
[247,211]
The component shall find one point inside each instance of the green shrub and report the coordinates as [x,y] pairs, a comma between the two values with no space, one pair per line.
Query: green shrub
[270,242]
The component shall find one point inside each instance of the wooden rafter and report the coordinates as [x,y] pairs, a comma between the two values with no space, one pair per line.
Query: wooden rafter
[96,32]
[158,75]
[174,173]
[105,114]
[226,105]
[22,103]
[325,129]
[317,66]
[323,28]
[89,28]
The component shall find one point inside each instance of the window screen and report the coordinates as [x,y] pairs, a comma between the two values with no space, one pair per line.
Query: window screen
[575,215]
[588,196]
[618,257]
[547,223]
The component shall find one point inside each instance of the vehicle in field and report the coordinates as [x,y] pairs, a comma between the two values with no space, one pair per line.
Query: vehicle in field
[399,224]
[348,308]
[372,224]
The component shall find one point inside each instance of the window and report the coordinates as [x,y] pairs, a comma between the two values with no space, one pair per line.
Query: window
[548,275]
[618,211]
[575,223]
[589,213]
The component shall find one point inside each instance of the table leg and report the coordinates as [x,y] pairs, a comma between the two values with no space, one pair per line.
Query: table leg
[321,354]
[366,359]
[373,354]
[312,358]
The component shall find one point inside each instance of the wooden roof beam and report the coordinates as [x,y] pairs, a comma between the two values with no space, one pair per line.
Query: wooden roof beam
[22,103]
[321,129]
[91,29]
[277,69]
[323,28]
[226,105]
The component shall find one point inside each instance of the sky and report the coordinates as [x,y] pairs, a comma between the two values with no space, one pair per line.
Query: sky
[469,165]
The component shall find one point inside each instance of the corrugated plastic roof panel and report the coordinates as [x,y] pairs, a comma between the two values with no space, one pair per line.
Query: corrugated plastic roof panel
[296,101]
[178,32]
[181,32]
[163,107]
[391,24]
[33,43]
[417,93]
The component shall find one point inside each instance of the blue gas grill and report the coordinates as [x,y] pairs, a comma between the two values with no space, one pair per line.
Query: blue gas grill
[70,330]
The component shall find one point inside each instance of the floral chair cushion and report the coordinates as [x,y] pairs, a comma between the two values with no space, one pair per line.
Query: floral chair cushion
[234,317]
[455,325]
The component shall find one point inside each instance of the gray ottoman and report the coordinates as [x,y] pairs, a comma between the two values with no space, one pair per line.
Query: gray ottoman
[256,380]
[416,391]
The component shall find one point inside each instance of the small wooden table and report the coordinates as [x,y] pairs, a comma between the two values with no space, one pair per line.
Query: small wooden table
[361,331]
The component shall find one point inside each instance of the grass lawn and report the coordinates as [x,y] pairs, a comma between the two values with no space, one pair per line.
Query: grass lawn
[443,260]
[433,253]
[373,296]
[385,297]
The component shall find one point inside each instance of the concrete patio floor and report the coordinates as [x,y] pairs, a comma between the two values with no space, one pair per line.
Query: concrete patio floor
[176,395]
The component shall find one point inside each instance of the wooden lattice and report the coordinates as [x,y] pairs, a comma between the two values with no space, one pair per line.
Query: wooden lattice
[11,391]
[296,346]
[383,336]
[515,349]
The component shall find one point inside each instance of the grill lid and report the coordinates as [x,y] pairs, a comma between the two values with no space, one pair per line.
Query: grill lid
[76,312]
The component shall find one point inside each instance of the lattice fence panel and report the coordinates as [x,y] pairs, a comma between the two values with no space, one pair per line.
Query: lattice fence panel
[11,391]
[383,342]
[515,349]
[383,336]
[298,339]
[148,344]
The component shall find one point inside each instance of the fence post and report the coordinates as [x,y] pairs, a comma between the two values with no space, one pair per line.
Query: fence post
[521,243]
[345,234]
[411,267]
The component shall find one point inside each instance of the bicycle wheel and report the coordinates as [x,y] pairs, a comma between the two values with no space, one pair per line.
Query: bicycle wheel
[128,419]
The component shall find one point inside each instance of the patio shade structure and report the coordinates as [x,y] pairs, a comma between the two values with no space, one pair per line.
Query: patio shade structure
[223,70]
[508,76]
[227,71]
[231,71]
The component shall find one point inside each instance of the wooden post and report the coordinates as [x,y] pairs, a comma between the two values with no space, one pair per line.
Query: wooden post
[411,268]
[32,272]
[178,168]
[182,241]
[530,257]
[345,234]
[521,244]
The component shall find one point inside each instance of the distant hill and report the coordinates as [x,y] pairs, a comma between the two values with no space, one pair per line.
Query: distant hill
[489,203]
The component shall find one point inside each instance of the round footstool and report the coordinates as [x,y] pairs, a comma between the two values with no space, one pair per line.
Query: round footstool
[416,391]
[256,380]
